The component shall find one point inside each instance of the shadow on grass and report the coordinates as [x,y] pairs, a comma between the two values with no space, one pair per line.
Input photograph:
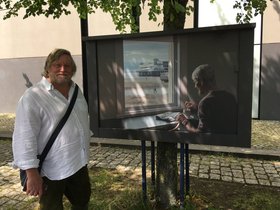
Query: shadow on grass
[115,190]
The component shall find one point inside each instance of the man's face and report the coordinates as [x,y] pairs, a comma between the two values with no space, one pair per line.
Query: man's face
[198,84]
[61,71]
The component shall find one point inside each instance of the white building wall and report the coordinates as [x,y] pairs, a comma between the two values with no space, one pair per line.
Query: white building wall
[37,36]
[271,23]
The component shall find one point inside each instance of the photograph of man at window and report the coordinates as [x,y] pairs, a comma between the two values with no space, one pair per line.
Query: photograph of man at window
[216,111]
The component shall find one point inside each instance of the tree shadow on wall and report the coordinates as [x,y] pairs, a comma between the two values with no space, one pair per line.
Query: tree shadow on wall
[28,83]
[270,89]
[276,7]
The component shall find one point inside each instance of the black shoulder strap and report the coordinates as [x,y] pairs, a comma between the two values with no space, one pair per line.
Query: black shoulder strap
[58,127]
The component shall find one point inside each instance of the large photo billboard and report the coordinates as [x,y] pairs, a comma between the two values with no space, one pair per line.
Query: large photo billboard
[191,86]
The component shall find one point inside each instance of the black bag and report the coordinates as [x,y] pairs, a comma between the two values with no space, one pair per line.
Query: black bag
[23,179]
[22,173]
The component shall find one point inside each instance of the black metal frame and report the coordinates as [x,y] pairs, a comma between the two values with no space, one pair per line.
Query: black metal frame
[244,92]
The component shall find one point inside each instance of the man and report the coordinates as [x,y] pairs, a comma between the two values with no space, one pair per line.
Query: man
[64,171]
[216,111]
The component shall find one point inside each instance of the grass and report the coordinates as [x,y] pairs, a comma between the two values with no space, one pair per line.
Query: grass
[115,190]
[227,195]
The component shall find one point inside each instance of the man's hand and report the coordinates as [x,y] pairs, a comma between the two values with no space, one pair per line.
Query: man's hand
[34,182]
[182,118]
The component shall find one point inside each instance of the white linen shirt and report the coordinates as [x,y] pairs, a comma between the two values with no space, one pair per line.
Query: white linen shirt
[38,112]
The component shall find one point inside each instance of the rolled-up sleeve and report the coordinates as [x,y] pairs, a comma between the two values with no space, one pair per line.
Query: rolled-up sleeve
[27,126]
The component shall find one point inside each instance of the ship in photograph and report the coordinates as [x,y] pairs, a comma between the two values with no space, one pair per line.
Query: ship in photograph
[153,69]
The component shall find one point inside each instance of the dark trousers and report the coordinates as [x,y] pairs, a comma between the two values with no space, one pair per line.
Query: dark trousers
[76,188]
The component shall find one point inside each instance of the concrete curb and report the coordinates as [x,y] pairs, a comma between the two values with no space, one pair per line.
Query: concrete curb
[196,148]
[6,134]
[193,148]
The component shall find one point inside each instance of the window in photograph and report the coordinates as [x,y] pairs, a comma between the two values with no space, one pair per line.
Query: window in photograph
[148,73]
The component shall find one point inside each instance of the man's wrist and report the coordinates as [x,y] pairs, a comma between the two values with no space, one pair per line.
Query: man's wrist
[185,122]
[32,171]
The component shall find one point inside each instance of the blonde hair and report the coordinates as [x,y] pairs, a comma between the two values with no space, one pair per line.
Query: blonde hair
[54,56]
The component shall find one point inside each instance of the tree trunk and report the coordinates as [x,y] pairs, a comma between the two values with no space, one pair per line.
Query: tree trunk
[172,19]
[166,161]
[167,174]
[136,10]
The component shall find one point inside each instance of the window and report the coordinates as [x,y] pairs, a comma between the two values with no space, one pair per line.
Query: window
[149,73]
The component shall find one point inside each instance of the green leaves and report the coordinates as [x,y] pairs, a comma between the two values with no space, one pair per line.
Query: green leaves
[48,8]
[124,13]
[248,9]
[154,10]
[178,7]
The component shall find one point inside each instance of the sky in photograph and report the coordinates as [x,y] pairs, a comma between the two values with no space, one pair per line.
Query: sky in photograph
[136,52]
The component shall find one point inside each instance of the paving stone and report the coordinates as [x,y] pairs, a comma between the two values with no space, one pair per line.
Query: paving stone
[273,179]
[247,169]
[238,180]
[225,169]
[275,176]
[194,165]
[204,176]
[275,184]
[236,167]
[264,182]
[249,176]
[214,163]
[214,166]
[226,178]
[215,171]
[251,181]
[215,176]
[237,173]
[226,173]
[193,173]
[246,166]
[271,171]
[224,164]
[257,164]
[262,176]
[260,172]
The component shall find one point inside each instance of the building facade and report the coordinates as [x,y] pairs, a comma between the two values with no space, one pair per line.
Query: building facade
[26,43]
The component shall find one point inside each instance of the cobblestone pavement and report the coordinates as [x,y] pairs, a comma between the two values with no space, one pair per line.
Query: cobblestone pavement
[217,167]
[224,168]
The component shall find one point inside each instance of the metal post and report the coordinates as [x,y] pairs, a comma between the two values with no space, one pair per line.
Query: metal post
[187,169]
[84,33]
[144,179]
[196,14]
[182,156]
[153,174]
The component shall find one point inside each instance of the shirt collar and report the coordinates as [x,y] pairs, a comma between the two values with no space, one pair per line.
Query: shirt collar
[46,84]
